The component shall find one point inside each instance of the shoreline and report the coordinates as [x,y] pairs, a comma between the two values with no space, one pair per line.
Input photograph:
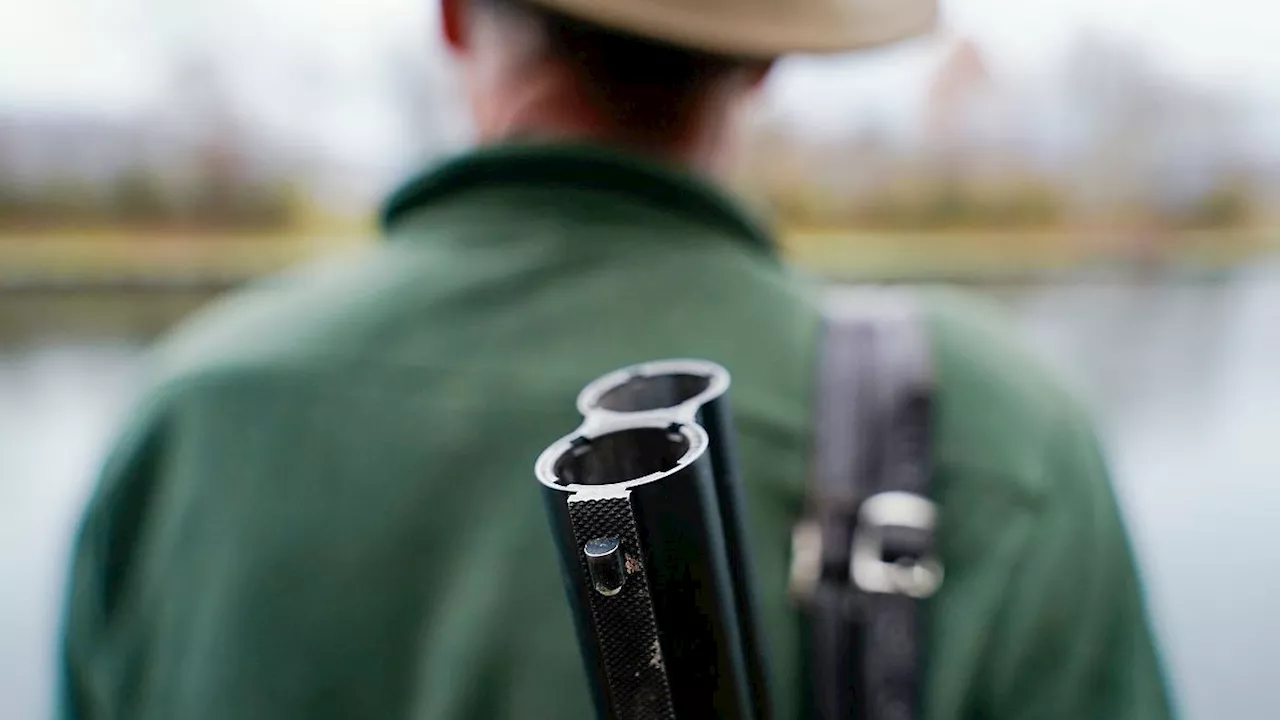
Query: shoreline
[113,262]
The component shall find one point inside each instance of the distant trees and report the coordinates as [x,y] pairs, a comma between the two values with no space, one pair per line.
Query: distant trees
[948,203]
[141,197]
[1112,140]
[192,168]
[1229,204]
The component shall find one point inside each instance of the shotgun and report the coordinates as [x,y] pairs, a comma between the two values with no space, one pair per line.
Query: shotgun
[646,507]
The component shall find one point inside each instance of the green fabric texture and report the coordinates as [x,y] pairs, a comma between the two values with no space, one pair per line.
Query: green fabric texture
[324,505]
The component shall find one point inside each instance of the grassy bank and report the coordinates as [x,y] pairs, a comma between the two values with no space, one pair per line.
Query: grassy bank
[106,257]
[854,255]
[93,258]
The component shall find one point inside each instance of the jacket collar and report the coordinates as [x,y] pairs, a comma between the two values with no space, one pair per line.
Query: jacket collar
[588,167]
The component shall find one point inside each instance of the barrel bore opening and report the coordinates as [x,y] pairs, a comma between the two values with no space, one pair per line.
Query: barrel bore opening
[644,393]
[622,456]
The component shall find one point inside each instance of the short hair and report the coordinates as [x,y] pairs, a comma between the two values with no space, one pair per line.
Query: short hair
[645,86]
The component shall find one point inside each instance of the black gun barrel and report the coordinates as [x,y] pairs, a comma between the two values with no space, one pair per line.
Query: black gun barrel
[648,513]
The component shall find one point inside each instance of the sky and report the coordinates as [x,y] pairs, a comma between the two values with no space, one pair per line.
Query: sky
[316,70]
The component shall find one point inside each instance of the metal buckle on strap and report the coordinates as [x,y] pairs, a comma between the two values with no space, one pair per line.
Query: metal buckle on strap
[917,575]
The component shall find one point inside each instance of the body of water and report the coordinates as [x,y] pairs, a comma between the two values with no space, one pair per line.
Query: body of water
[1184,377]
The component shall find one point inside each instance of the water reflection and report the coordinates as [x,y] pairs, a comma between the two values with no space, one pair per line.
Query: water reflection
[1185,377]
[58,406]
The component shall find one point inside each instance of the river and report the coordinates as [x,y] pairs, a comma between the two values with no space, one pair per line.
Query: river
[1183,374]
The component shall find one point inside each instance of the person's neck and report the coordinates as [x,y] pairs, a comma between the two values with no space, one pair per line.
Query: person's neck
[555,111]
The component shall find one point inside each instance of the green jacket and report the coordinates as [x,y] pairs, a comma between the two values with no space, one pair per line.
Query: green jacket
[325,505]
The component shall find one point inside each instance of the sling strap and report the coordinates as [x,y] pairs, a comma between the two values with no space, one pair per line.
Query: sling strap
[863,559]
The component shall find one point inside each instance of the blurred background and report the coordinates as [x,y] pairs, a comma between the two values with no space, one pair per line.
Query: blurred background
[1109,170]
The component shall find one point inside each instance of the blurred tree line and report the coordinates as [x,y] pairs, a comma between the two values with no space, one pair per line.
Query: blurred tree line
[934,203]
[1112,140]
[192,166]
[210,197]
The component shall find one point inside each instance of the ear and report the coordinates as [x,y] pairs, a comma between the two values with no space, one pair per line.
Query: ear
[760,73]
[453,23]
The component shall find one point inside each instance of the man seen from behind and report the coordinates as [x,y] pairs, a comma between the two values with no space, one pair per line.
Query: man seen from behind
[323,506]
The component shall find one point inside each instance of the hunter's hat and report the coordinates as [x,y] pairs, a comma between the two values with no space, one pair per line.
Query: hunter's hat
[760,28]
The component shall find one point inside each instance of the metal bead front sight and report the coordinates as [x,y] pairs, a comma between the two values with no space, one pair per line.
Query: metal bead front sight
[605,562]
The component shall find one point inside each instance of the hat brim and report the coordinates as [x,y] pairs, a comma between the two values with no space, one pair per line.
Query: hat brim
[821,28]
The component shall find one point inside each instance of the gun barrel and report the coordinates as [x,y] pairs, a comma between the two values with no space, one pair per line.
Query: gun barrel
[648,514]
